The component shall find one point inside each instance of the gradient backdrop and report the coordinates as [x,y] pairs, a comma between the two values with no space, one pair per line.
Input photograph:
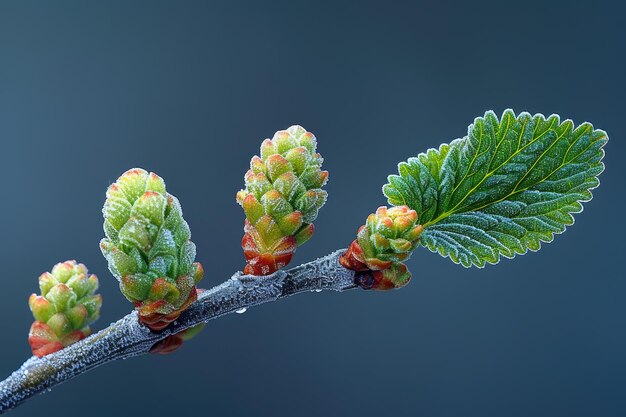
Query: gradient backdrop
[189,89]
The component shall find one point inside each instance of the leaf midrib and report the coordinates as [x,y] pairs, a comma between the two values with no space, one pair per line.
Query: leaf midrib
[516,192]
[490,173]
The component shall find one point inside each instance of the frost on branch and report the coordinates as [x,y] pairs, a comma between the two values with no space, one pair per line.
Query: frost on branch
[127,337]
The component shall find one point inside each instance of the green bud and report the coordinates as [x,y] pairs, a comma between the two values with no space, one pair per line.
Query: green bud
[147,247]
[385,241]
[282,198]
[65,309]
[390,235]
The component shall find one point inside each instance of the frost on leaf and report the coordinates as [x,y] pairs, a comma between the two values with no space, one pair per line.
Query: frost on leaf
[510,184]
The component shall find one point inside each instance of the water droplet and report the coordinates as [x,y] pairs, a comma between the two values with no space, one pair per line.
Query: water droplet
[318,290]
[241,310]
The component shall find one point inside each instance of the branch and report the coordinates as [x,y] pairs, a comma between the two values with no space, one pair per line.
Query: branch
[127,337]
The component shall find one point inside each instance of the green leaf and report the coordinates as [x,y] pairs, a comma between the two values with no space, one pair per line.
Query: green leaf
[507,186]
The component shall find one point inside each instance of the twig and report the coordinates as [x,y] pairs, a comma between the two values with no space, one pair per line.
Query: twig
[127,337]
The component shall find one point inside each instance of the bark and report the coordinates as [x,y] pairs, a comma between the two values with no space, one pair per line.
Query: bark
[127,337]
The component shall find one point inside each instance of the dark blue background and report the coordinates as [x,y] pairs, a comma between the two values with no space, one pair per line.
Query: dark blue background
[189,89]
